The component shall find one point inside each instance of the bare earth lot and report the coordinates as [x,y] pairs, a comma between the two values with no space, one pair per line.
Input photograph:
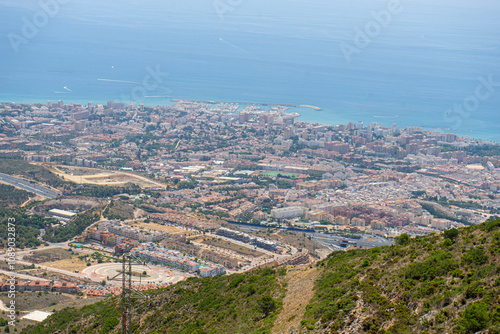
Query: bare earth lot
[58,258]
[161,228]
[82,175]
[242,250]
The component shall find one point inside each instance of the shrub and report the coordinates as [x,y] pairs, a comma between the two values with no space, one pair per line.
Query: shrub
[475,256]
[451,234]
[440,264]
[495,316]
[446,243]
[403,239]
[474,318]
[266,304]
[491,225]
[474,290]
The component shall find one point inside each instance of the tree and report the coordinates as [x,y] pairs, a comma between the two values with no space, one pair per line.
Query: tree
[266,304]
[403,239]
[451,234]
[475,317]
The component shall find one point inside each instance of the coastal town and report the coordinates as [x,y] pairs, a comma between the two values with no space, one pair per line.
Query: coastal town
[264,165]
[201,188]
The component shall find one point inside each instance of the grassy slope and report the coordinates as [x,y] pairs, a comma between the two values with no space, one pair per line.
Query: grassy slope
[426,286]
[119,210]
[10,195]
[225,304]
[27,227]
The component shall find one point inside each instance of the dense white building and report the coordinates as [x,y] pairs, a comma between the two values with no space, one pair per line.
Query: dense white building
[288,212]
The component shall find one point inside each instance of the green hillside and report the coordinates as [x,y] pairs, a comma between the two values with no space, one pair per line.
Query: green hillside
[119,210]
[426,285]
[27,227]
[447,283]
[241,303]
[10,195]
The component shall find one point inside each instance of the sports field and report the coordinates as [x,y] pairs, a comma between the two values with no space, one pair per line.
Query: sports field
[275,174]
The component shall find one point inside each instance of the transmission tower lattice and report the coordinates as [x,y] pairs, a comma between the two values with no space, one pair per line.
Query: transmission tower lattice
[128,293]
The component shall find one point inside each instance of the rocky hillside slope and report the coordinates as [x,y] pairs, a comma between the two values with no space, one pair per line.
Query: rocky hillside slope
[446,283]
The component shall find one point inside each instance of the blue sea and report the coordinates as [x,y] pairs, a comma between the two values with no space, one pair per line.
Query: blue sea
[434,64]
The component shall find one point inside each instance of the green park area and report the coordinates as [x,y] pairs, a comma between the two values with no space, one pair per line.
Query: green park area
[278,174]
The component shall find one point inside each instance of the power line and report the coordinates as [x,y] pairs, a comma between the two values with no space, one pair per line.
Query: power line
[128,292]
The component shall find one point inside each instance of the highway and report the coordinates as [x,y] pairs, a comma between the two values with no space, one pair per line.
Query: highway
[28,186]
[22,276]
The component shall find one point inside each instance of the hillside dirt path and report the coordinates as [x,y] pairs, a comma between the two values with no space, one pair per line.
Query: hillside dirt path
[300,287]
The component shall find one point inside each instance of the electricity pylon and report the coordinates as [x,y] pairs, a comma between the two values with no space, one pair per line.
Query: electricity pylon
[127,294]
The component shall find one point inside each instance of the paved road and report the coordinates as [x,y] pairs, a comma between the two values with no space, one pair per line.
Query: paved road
[20,254]
[28,186]
[22,276]
[57,270]
[160,185]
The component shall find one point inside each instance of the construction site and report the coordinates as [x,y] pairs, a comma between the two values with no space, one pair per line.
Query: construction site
[96,176]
